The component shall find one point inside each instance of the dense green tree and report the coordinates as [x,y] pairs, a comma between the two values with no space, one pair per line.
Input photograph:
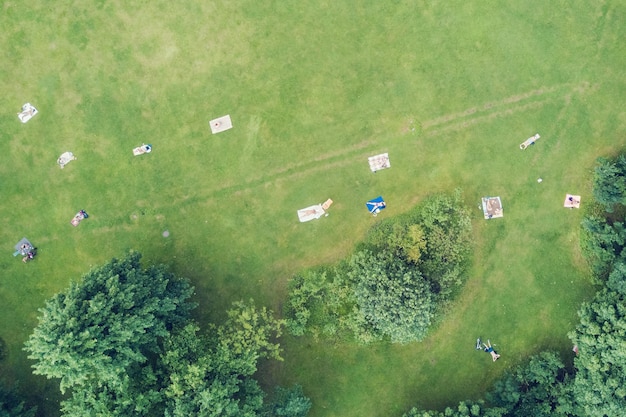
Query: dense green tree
[599,388]
[322,302]
[206,379]
[406,268]
[435,237]
[394,299]
[211,375]
[447,226]
[107,322]
[288,402]
[600,383]
[122,339]
[535,388]
[609,182]
[11,405]
[137,395]
[305,289]
[602,243]
[251,331]
[195,375]
[617,278]
[400,236]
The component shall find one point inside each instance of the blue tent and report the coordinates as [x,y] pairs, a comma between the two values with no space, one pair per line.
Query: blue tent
[376,205]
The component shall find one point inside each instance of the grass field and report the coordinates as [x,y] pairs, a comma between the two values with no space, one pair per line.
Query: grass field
[449,89]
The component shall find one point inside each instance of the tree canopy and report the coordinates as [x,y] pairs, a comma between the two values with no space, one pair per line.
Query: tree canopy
[600,383]
[122,340]
[107,322]
[609,182]
[394,284]
[535,388]
[603,242]
[394,299]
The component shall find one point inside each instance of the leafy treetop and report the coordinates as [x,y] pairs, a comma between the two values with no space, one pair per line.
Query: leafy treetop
[108,321]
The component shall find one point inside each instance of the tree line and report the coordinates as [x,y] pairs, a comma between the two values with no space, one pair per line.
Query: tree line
[596,386]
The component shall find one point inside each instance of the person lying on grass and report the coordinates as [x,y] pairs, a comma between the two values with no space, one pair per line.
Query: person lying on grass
[30,255]
[490,350]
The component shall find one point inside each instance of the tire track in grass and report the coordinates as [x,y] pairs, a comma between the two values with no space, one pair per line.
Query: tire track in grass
[355,153]
[487,117]
[184,197]
[252,140]
[323,162]
[502,108]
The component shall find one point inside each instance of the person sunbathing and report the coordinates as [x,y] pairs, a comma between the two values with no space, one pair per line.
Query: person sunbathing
[27,111]
[489,349]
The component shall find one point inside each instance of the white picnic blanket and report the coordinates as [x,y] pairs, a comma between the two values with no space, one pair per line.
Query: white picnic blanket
[27,113]
[378,162]
[65,158]
[221,124]
[492,207]
[529,141]
[79,217]
[571,201]
[140,150]
[311,213]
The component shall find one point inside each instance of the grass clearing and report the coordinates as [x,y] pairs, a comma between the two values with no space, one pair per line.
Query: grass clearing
[449,90]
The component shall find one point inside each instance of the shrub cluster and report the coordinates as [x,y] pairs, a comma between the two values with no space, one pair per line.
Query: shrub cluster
[395,284]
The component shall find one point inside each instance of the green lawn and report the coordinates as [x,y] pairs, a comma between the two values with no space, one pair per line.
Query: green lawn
[449,89]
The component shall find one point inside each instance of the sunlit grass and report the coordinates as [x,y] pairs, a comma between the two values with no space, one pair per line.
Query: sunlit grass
[449,90]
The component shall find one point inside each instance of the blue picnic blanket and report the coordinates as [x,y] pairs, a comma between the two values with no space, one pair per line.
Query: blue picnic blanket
[376,205]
